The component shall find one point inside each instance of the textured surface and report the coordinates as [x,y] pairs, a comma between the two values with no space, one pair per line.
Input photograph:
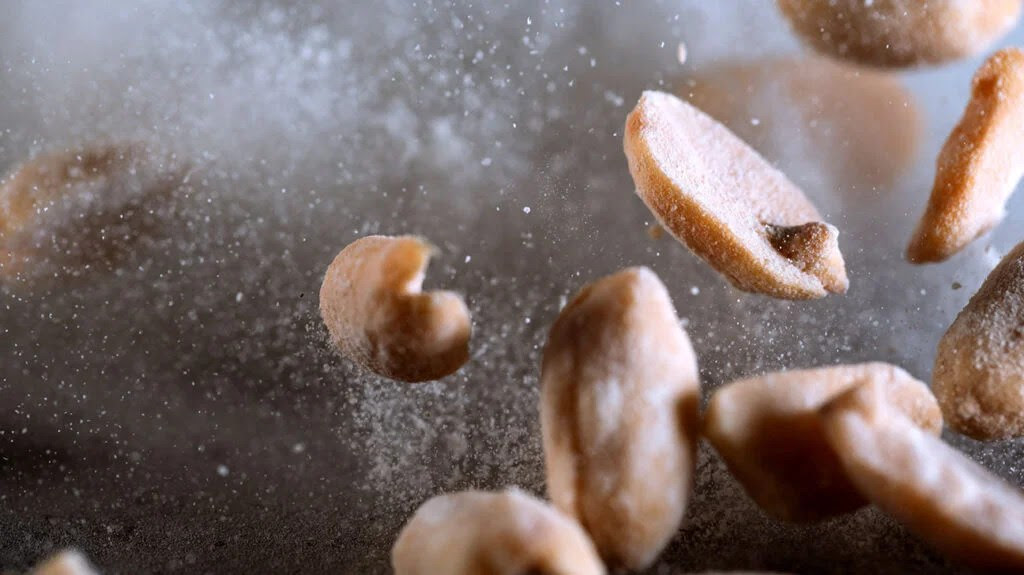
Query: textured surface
[189,414]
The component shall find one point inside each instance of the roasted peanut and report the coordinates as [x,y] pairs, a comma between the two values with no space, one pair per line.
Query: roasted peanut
[67,211]
[941,495]
[619,394]
[372,303]
[979,370]
[768,433]
[727,204]
[900,33]
[859,128]
[68,562]
[979,165]
[480,533]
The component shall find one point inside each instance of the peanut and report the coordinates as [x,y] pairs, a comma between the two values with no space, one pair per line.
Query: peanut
[900,33]
[69,562]
[619,394]
[941,495]
[372,303]
[480,533]
[728,205]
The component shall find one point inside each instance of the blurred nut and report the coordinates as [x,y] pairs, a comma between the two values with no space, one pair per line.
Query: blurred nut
[69,562]
[768,432]
[727,204]
[479,533]
[619,394]
[377,315]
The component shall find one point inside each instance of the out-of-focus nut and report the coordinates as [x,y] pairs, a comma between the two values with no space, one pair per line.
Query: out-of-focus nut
[480,533]
[900,33]
[727,204]
[69,562]
[378,316]
[941,495]
[619,394]
[768,433]
[979,370]
[980,164]
[68,211]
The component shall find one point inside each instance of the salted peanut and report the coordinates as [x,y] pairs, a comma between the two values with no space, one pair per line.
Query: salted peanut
[481,533]
[768,433]
[68,211]
[941,495]
[900,33]
[727,204]
[619,394]
[844,128]
[979,370]
[377,314]
[68,562]
[979,165]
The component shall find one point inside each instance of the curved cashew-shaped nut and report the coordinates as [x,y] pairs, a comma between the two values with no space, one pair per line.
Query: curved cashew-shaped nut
[900,33]
[726,203]
[944,497]
[81,207]
[619,395]
[69,562]
[480,533]
[979,367]
[377,315]
[979,165]
[767,431]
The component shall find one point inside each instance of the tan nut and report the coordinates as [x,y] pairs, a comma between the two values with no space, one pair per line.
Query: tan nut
[68,211]
[727,204]
[480,533]
[378,316]
[768,433]
[619,394]
[979,370]
[858,128]
[979,165]
[69,562]
[900,33]
[941,495]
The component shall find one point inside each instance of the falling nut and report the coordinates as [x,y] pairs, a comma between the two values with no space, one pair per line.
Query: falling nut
[979,165]
[979,370]
[727,204]
[480,533]
[69,211]
[767,431]
[844,128]
[378,316]
[941,495]
[69,562]
[619,394]
[900,33]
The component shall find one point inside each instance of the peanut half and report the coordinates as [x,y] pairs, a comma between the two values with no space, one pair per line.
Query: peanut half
[372,303]
[726,203]
[480,533]
[69,562]
[979,370]
[67,211]
[768,433]
[941,495]
[619,394]
[979,165]
[900,33]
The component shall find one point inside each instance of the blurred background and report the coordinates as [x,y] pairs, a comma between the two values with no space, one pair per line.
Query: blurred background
[183,411]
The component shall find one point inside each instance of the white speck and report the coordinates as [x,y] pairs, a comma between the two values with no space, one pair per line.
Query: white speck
[298,448]
[468,259]
[681,52]
[238,296]
[485,162]
[755,121]
[222,470]
[526,209]
[694,290]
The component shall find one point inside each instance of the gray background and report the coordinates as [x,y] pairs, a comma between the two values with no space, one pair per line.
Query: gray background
[185,412]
